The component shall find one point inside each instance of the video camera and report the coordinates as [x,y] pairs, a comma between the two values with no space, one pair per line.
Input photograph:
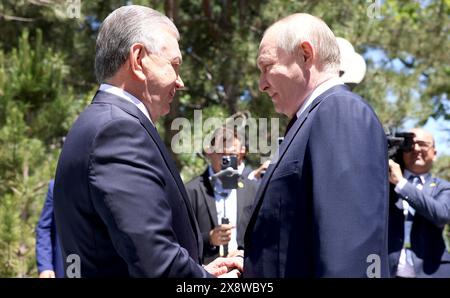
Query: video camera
[399,142]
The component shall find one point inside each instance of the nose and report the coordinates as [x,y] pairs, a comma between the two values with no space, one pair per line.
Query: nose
[263,85]
[179,84]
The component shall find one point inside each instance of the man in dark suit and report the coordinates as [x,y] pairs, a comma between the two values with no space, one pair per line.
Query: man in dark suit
[419,210]
[322,206]
[121,208]
[208,199]
[48,252]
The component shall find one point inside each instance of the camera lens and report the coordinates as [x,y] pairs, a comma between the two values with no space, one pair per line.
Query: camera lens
[226,160]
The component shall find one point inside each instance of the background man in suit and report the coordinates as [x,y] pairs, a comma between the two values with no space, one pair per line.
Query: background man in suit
[321,209]
[48,251]
[207,197]
[419,210]
[120,204]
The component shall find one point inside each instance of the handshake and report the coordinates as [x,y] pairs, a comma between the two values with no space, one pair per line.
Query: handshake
[230,267]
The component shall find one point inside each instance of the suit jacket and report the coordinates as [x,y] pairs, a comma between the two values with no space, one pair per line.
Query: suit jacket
[321,209]
[120,204]
[432,206]
[48,251]
[201,195]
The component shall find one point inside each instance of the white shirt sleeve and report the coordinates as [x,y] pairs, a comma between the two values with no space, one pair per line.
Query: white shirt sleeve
[400,185]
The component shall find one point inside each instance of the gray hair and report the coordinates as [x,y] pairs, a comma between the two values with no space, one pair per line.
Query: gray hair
[124,27]
[301,27]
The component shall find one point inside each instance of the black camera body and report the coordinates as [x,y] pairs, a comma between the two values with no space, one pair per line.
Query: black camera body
[229,161]
[398,143]
[229,181]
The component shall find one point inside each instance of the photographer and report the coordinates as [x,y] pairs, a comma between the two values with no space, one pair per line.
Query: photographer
[213,201]
[419,210]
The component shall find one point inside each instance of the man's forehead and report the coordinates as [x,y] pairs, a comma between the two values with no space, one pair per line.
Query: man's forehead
[266,52]
[172,51]
[422,135]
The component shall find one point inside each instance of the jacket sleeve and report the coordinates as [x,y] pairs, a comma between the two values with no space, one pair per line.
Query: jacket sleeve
[434,208]
[128,191]
[44,247]
[347,156]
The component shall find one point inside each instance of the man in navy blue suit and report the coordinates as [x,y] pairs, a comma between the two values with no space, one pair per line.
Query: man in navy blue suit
[121,208]
[322,206]
[419,210]
[48,252]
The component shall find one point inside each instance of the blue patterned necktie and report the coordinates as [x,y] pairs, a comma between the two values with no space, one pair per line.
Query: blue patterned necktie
[415,180]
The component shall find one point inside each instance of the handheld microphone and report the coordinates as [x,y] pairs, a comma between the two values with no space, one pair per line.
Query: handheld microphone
[225,220]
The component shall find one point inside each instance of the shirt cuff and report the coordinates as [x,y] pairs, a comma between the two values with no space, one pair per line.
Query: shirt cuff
[400,185]
[251,176]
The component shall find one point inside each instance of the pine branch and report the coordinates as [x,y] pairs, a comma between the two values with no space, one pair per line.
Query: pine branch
[14,18]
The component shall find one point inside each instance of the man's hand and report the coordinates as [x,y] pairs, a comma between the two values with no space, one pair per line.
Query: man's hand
[47,274]
[222,266]
[236,253]
[395,173]
[261,169]
[220,235]
[232,274]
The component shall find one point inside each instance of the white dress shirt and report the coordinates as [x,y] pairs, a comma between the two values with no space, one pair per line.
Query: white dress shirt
[405,263]
[127,96]
[226,205]
[318,91]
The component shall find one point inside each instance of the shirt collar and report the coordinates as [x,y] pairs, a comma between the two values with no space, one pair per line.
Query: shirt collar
[324,86]
[423,177]
[127,96]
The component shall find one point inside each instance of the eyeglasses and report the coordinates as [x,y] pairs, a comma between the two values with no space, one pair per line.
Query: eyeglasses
[423,145]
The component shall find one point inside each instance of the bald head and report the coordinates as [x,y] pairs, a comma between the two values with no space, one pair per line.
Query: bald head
[422,134]
[421,158]
[292,30]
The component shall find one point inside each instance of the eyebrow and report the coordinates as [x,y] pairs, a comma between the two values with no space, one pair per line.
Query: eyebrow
[261,60]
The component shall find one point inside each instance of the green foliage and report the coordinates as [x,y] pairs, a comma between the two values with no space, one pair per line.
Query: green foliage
[35,82]
[24,163]
[36,110]
[441,167]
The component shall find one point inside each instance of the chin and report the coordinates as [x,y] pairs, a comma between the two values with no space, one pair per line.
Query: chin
[166,111]
[277,109]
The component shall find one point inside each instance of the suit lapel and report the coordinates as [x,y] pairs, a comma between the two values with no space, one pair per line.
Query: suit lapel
[208,196]
[240,204]
[243,196]
[131,109]
[427,188]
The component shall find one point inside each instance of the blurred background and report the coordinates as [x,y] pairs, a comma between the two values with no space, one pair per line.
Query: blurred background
[47,78]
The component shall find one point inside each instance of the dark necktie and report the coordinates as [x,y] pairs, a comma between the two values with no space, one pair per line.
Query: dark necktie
[291,122]
[415,180]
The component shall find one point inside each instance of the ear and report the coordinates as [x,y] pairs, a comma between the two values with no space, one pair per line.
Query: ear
[306,52]
[435,154]
[137,53]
